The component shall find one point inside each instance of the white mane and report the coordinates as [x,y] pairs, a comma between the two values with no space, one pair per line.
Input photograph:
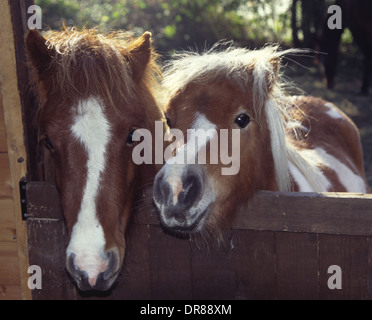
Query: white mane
[261,69]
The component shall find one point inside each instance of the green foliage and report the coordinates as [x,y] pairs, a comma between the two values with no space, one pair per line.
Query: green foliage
[174,23]
[55,11]
[179,24]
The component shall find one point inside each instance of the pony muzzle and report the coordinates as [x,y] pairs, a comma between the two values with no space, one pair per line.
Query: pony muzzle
[179,195]
[94,272]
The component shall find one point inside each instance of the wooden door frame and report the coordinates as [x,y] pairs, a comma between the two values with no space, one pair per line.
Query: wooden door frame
[16,105]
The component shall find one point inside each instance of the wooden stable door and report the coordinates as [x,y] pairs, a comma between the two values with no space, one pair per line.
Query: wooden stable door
[281,247]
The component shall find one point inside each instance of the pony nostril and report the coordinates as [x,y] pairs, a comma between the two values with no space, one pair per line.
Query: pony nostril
[192,185]
[192,188]
[113,264]
[162,190]
[81,277]
[70,263]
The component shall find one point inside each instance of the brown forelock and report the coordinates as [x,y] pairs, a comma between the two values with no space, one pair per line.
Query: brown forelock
[87,63]
[221,102]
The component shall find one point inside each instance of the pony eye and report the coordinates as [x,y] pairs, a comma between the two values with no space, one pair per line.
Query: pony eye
[242,120]
[168,122]
[130,140]
[48,143]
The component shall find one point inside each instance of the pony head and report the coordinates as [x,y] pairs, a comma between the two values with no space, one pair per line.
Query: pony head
[234,97]
[94,91]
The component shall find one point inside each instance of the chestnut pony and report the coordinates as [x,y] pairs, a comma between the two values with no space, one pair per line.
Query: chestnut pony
[284,143]
[94,91]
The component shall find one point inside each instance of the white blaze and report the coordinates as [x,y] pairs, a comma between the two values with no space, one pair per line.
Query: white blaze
[202,131]
[92,129]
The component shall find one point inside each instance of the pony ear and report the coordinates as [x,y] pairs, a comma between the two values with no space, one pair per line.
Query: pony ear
[140,55]
[39,55]
[272,75]
[276,63]
[265,75]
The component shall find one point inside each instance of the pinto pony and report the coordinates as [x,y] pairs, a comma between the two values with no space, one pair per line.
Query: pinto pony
[286,143]
[94,91]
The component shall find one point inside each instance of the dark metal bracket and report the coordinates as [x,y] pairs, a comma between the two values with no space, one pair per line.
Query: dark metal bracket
[23,195]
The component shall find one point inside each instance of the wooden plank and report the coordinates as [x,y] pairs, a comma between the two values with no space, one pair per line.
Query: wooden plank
[155,265]
[9,269]
[297,265]
[47,234]
[254,264]
[170,266]
[43,201]
[3,146]
[329,213]
[10,292]
[134,282]
[213,277]
[47,247]
[351,255]
[14,131]
[7,225]
[6,191]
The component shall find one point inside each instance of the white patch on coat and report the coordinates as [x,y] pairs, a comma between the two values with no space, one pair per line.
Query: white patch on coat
[318,157]
[92,129]
[351,181]
[333,111]
[299,178]
[201,132]
[314,160]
